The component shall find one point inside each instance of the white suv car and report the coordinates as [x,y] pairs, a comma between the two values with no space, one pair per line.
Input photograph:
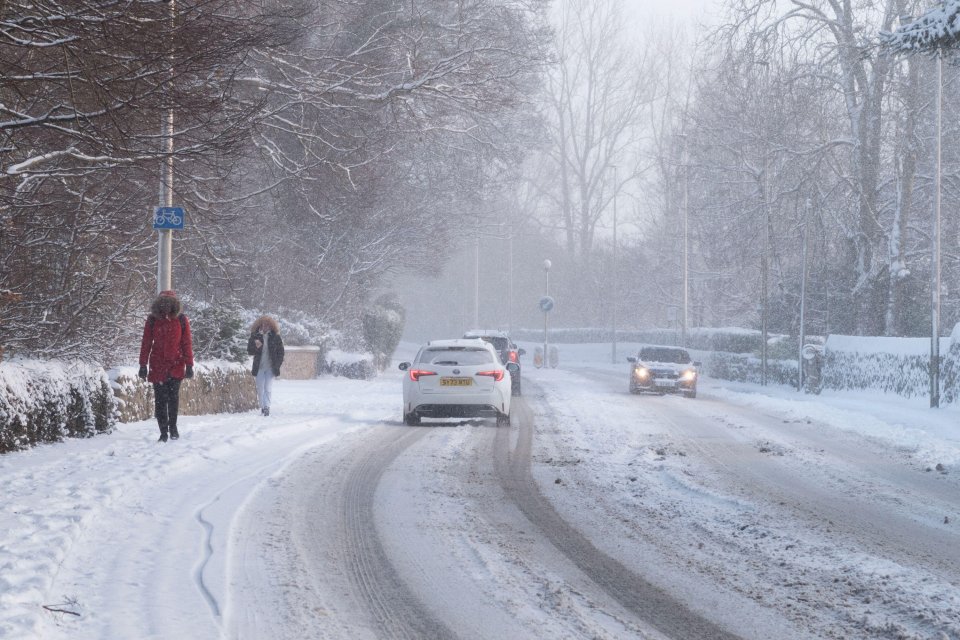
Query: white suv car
[456,379]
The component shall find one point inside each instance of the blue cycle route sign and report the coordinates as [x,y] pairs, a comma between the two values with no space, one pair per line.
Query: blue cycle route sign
[168,218]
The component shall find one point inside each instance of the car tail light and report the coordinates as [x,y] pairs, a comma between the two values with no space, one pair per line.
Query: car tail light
[496,374]
[415,374]
[513,357]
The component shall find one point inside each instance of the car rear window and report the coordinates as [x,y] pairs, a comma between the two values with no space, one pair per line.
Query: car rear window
[675,356]
[453,356]
[499,342]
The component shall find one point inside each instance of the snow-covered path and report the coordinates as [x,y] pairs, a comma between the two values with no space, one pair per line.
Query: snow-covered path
[751,514]
[132,535]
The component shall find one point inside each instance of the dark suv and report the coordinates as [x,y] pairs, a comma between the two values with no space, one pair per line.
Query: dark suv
[663,370]
[509,352]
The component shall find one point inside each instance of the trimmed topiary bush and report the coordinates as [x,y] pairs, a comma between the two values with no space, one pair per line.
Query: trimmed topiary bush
[382,328]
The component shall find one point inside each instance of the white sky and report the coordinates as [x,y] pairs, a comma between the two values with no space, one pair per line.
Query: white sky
[679,10]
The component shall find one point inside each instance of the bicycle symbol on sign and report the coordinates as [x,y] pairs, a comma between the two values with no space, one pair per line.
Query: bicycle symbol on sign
[168,218]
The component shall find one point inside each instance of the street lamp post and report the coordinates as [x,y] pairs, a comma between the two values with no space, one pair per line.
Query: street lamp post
[935,262]
[476,276]
[510,281]
[616,280]
[764,260]
[546,269]
[803,297]
[686,244]
[165,236]
[935,282]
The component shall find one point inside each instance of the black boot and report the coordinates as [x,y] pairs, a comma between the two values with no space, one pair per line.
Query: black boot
[266,411]
[163,435]
[174,434]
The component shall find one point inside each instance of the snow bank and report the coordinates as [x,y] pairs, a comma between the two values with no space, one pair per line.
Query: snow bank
[869,345]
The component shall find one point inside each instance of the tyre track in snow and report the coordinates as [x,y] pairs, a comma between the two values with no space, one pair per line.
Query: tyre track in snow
[396,610]
[648,602]
[864,506]
[850,509]
[316,540]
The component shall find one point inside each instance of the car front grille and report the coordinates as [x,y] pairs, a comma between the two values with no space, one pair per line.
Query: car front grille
[665,374]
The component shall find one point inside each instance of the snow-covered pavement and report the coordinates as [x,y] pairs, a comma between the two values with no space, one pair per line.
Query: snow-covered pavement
[123,537]
[766,512]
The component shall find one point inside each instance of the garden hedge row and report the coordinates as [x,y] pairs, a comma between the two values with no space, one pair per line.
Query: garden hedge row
[42,402]
[49,401]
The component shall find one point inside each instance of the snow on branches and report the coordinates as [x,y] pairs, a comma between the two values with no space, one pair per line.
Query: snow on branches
[937,29]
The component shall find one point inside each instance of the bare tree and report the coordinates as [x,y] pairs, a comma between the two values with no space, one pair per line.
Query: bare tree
[384,130]
[597,96]
[83,87]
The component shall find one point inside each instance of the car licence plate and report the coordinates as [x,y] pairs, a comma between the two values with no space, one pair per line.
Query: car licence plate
[456,382]
[665,382]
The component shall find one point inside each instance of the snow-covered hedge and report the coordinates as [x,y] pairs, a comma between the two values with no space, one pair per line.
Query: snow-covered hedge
[217,386]
[892,365]
[50,401]
[356,366]
[739,367]
[950,371]
[726,339]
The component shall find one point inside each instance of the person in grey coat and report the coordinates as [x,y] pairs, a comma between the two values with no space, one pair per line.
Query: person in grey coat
[266,347]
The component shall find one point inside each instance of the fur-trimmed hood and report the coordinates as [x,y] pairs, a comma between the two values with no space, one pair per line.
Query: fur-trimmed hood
[166,304]
[265,323]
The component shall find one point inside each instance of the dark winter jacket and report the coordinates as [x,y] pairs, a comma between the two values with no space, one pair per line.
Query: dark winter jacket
[274,344]
[167,346]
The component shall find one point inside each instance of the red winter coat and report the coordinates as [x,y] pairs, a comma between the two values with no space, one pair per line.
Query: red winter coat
[167,347]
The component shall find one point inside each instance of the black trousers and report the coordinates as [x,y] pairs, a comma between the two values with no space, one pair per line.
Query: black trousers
[166,402]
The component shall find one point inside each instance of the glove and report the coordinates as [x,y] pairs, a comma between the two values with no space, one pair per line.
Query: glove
[189,373]
[142,374]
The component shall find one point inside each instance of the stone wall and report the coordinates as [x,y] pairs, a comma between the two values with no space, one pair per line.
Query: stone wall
[211,390]
[300,363]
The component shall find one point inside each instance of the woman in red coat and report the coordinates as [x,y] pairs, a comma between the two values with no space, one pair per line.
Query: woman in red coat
[168,350]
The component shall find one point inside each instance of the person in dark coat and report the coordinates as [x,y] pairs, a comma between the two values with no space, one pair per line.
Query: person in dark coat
[266,347]
[167,349]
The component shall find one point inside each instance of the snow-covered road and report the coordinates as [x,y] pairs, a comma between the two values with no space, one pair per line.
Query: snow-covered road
[597,514]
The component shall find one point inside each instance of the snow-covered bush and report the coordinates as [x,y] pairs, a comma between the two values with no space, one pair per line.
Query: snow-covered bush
[296,327]
[49,401]
[218,332]
[383,326]
[356,366]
